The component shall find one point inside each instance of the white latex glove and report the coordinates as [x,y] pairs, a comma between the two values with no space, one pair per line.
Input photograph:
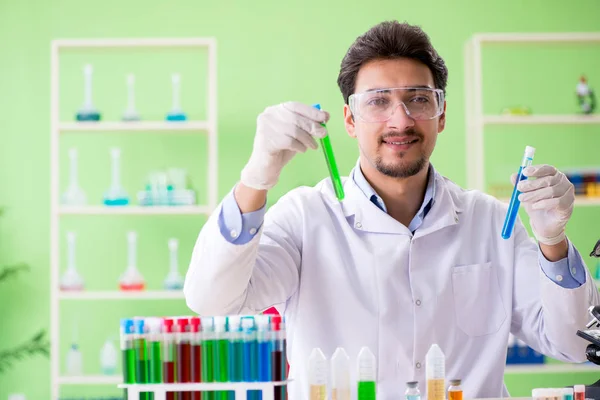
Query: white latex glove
[281,132]
[548,200]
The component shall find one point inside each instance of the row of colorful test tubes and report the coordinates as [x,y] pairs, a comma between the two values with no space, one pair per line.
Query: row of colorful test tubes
[207,349]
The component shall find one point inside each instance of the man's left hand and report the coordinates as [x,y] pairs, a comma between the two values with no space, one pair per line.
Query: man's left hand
[548,200]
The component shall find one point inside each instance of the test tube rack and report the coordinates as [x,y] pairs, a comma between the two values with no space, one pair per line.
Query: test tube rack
[240,388]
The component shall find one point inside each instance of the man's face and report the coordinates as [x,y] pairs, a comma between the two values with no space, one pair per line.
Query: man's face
[401,146]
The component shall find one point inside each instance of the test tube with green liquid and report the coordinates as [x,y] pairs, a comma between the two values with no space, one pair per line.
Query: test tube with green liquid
[331,164]
[221,355]
[207,349]
[155,349]
[236,351]
[367,375]
[127,351]
[142,363]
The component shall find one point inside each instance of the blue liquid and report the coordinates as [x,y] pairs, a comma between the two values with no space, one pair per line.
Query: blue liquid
[264,361]
[176,117]
[513,207]
[123,201]
[251,367]
[87,116]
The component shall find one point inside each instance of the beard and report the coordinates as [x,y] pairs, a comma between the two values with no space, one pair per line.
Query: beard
[403,168]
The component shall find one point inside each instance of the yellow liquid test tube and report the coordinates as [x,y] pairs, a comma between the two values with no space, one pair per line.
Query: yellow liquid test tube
[317,375]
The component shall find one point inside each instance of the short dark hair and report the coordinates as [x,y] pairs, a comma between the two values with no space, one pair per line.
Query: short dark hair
[390,40]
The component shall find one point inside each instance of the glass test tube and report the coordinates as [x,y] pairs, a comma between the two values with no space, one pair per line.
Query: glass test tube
[340,374]
[250,354]
[196,341]
[184,355]
[568,394]
[169,355]
[317,375]
[208,345]
[278,356]
[154,349]
[513,207]
[236,349]
[221,355]
[127,350]
[367,375]
[142,364]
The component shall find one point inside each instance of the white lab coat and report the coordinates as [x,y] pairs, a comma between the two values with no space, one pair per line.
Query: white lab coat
[347,274]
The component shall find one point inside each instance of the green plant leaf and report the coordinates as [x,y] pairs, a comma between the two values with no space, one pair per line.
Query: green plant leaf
[37,345]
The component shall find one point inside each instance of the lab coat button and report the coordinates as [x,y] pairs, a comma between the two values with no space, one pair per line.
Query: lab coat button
[418,365]
[574,271]
[358,225]
[559,278]
[252,231]
[233,234]
[418,302]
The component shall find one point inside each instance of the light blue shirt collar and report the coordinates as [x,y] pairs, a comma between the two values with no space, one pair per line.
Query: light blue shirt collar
[368,190]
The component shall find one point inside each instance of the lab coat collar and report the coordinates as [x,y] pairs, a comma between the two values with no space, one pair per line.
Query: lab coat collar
[366,216]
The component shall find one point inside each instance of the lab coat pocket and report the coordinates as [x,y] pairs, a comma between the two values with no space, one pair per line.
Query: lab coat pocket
[478,306]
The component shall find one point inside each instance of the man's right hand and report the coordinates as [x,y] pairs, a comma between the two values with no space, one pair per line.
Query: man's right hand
[281,132]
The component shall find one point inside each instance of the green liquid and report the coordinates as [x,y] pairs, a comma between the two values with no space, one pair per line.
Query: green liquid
[208,366]
[128,366]
[155,363]
[366,390]
[221,354]
[142,366]
[236,370]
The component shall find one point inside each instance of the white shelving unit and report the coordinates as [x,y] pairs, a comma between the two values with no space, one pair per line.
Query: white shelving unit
[57,128]
[476,120]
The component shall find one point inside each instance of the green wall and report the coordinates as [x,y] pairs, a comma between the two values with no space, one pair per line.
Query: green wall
[268,52]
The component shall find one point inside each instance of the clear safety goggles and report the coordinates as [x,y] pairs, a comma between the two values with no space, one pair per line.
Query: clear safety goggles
[379,105]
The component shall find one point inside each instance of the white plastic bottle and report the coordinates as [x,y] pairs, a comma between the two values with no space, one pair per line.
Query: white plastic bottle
[317,375]
[340,375]
[435,373]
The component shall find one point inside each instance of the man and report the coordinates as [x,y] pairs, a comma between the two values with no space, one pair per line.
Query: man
[407,259]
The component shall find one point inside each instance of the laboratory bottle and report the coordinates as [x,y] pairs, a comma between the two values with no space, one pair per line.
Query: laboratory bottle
[567,394]
[367,373]
[317,375]
[340,375]
[435,373]
[579,392]
[412,391]
[455,391]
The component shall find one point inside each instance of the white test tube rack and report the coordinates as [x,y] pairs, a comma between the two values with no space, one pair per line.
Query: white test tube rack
[240,388]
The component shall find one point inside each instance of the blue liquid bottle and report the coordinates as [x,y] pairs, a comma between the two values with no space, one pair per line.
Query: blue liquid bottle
[513,207]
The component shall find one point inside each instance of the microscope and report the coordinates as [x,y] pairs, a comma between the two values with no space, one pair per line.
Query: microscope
[592,335]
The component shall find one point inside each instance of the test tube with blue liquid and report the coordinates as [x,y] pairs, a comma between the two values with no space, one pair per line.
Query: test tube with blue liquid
[515,203]
[250,354]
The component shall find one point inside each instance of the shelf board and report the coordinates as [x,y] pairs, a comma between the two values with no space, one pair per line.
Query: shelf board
[541,119]
[91,380]
[121,295]
[133,126]
[135,210]
[549,368]
[580,201]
